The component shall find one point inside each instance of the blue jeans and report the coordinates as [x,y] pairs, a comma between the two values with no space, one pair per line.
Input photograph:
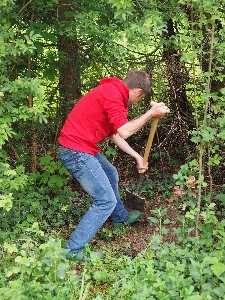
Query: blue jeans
[99,178]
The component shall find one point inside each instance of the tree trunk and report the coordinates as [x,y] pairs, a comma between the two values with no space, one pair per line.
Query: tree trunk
[69,76]
[177,77]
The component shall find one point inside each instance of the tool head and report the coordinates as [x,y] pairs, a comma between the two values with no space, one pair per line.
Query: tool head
[135,201]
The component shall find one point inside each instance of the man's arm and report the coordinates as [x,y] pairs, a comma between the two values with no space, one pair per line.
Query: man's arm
[123,145]
[158,110]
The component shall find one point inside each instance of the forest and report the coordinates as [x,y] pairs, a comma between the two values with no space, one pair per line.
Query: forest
[51,54]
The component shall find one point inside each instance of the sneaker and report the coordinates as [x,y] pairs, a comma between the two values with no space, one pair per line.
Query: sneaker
[80,256]
[134,215]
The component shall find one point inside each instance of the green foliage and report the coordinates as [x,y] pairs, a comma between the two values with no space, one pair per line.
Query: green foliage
[11,180]
[221,198]
[16,86]
[37,197]
[161,187]
[28,263]
[55,175]
[187,170]
[192,268]
[110,153]
[111,37]
[159,215]
[52,208]
[108,234]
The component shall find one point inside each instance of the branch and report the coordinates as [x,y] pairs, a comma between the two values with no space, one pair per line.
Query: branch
[140,53]
[24,7]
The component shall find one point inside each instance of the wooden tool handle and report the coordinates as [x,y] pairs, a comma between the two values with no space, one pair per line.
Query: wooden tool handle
[150,139]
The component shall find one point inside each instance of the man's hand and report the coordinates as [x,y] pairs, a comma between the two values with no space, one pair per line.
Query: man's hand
[123,145]
[141,168]
[158,110]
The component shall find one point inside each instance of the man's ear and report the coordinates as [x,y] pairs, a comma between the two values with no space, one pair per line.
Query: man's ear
[138,91]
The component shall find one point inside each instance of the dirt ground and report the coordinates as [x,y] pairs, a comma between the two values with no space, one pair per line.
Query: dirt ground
[137,236]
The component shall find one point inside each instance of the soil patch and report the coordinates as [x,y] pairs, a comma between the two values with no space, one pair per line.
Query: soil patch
[137,236]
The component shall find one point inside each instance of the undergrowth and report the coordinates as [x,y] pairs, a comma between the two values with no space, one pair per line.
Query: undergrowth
[33,264]
[191,269]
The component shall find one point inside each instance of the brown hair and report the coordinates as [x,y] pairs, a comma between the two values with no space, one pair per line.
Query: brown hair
[138,79]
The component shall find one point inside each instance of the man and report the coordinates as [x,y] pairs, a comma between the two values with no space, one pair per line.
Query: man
[99,114]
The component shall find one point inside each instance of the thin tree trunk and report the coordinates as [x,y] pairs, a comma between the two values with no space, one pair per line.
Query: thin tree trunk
[205,123]
[32,126]
[216,84]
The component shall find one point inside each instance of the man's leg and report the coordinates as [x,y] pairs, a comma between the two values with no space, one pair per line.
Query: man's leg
[88,171]
[119,214]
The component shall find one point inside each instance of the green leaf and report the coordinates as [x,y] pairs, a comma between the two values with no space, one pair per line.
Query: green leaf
[63,170]
[10,248]
[218,269]
[110,151]
[30,218]
[56,180]
[195,270]
[164,212]
[61,272]
[221,198]
[50,74]
[45,160]
[45,177]
[222,134]
[48,261]
[165,230]
[153,220]
[49,37]
[166,221]
[208,134]
[15,270]
[6,201]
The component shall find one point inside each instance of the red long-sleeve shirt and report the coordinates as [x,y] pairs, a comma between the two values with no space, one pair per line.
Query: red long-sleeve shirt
[95,116]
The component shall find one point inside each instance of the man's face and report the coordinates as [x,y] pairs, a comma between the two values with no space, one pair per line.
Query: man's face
[135,95]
